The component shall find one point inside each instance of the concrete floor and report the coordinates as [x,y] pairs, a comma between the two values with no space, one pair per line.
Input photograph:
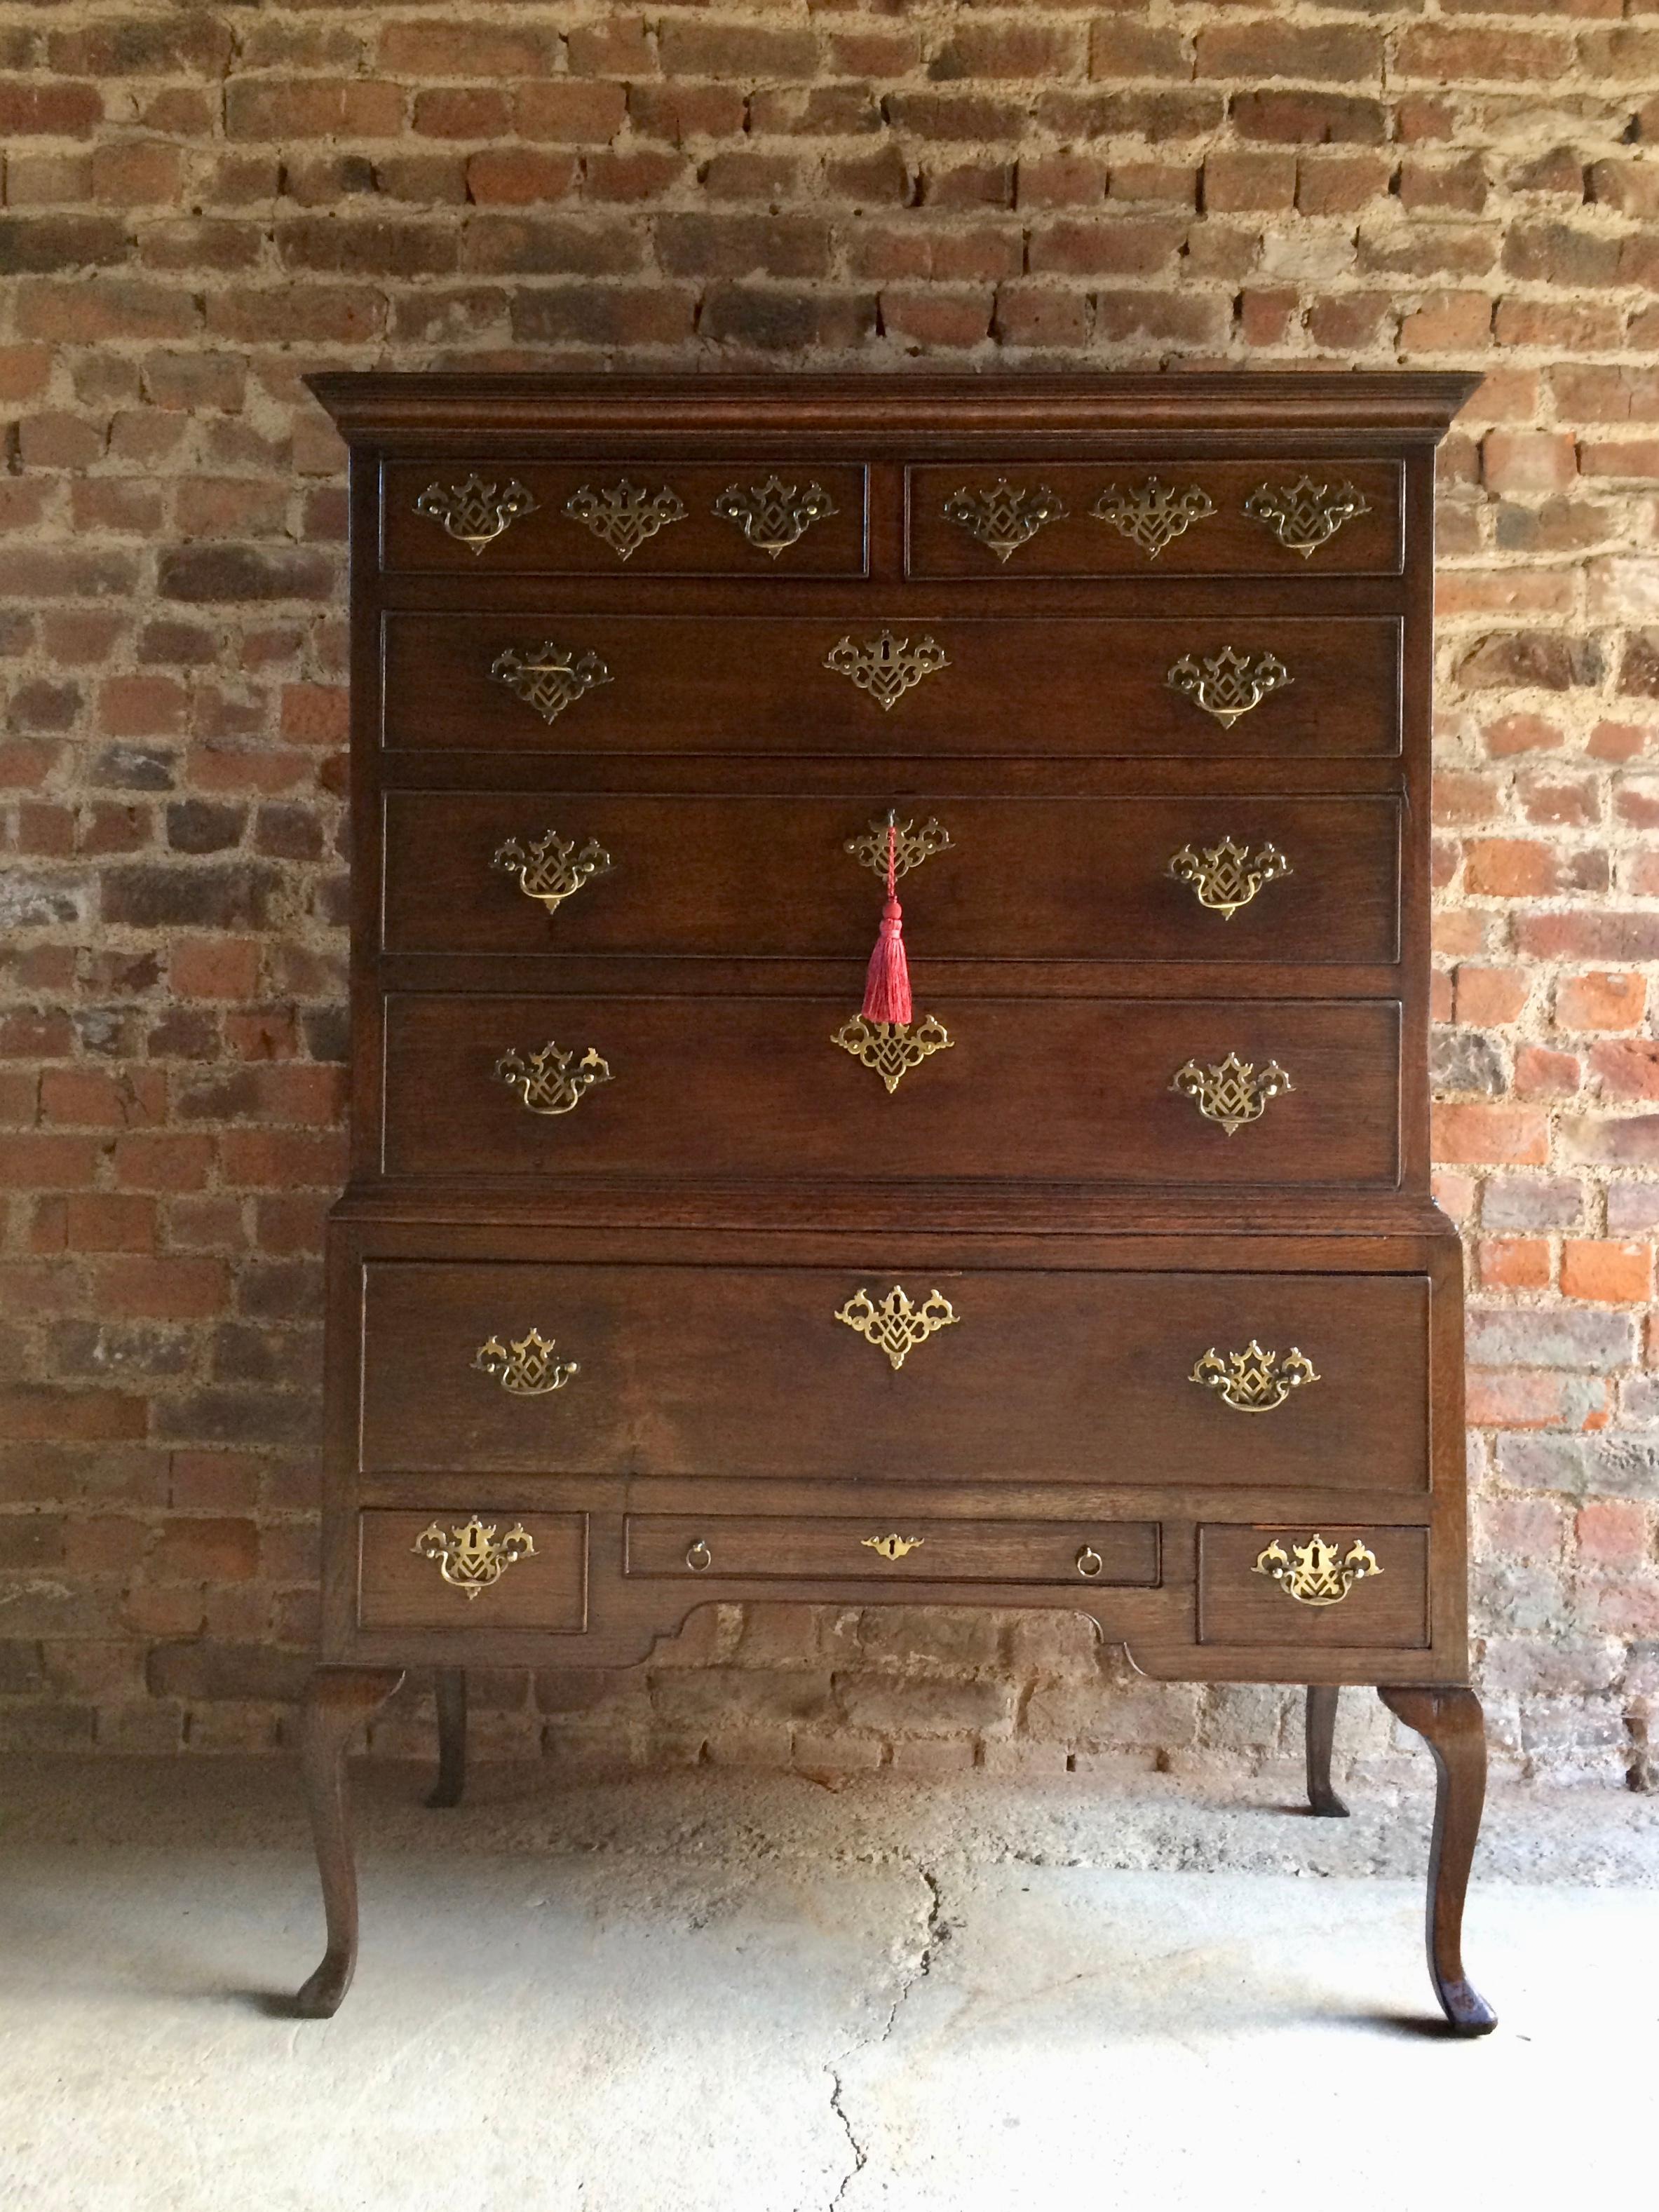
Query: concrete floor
[718,1993]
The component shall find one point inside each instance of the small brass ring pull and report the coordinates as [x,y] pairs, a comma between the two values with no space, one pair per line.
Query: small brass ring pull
[1089,1563]
[699,1558]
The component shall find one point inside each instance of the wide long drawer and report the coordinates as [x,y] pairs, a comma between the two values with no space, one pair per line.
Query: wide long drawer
[1202,1091]
[1307,880]
[1014,1374]
[781,1548]
[1206,689]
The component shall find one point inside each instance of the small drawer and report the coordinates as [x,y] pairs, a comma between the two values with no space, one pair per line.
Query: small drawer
[1140,517]
[473,1568]
[624,519]
[1355,1586]
[767,1549]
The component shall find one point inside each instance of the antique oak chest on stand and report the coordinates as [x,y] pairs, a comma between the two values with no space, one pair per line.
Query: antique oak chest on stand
[671,1268]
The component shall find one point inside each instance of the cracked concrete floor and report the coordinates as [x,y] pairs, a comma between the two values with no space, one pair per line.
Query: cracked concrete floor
[719,1993]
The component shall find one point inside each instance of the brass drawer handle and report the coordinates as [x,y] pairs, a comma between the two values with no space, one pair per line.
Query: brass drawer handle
[475,512]
[545,1080]
[1089,1563]
[1228,875]
[773,515]
[1305,515]
[549,869]
[1153,515]
[892,1547]
[1253,1381]
[886,666]
[891,1049]
[624,515]
[894,1327]
[525,1367]
[1228,684]
[1234,1092]
[1004,519]
[1312,1574]
[469,1558]
[549,676]
[698,1557]
[909,846]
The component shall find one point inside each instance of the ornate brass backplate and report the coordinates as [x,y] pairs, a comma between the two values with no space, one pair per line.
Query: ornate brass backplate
[476,513]
[910,846]
[1305,515]
[886,666]
[892,1048]
[773,515]
[892,1547]
[469,1558]
[525,1367]
[1228,875]
[1153,515]
[1253,1381]
[1233,1093]
[624,515]
[1228,684]
[1004,518]
[546,1081]
[894,1327]
[548,677]
[549,869]
[1312,1574]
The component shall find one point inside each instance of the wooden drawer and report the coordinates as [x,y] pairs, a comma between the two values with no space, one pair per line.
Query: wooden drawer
[1043,1375]
[1323,688]
[1178,517]
[624,519]
[466,1566]
[742,1087]
[1246,1578]
[766,1549]
[1062,879]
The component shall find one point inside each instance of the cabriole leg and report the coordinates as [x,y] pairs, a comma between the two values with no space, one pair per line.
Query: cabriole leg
[1450,1722]
[1321,1731]
[342,1699]
[450,1690]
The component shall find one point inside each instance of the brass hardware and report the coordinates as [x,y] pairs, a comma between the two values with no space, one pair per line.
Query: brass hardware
[546,1082]
[910,846]
[525,1366]
[624,515]
[1305,515]
[698,1557]
[1253,1381]
[1234,1093]
[1004,519]
[1089,1563]
[773,515]
[894,1327]
[1229,875]
[469,1558]
[892,1547]
[886,666]
[1228,684]
[1316,1577]
[549,678]
[892,1048]
[550,870]
[476,513]
[1152,515]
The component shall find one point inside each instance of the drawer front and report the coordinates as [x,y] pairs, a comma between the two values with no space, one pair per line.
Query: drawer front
[1312,1587]
[1041,1374]
[624,519]
[1307,880]
[764,1549]
[1101,1091]
[1178,518]
[467,1566]
[1298,687]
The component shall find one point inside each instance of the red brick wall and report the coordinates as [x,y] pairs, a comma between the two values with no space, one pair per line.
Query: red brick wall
[200,202]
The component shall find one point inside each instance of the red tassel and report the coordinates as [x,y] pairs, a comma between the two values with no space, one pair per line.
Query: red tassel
[887,986]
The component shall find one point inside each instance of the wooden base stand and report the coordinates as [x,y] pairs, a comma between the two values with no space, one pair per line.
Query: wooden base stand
[342,1699]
